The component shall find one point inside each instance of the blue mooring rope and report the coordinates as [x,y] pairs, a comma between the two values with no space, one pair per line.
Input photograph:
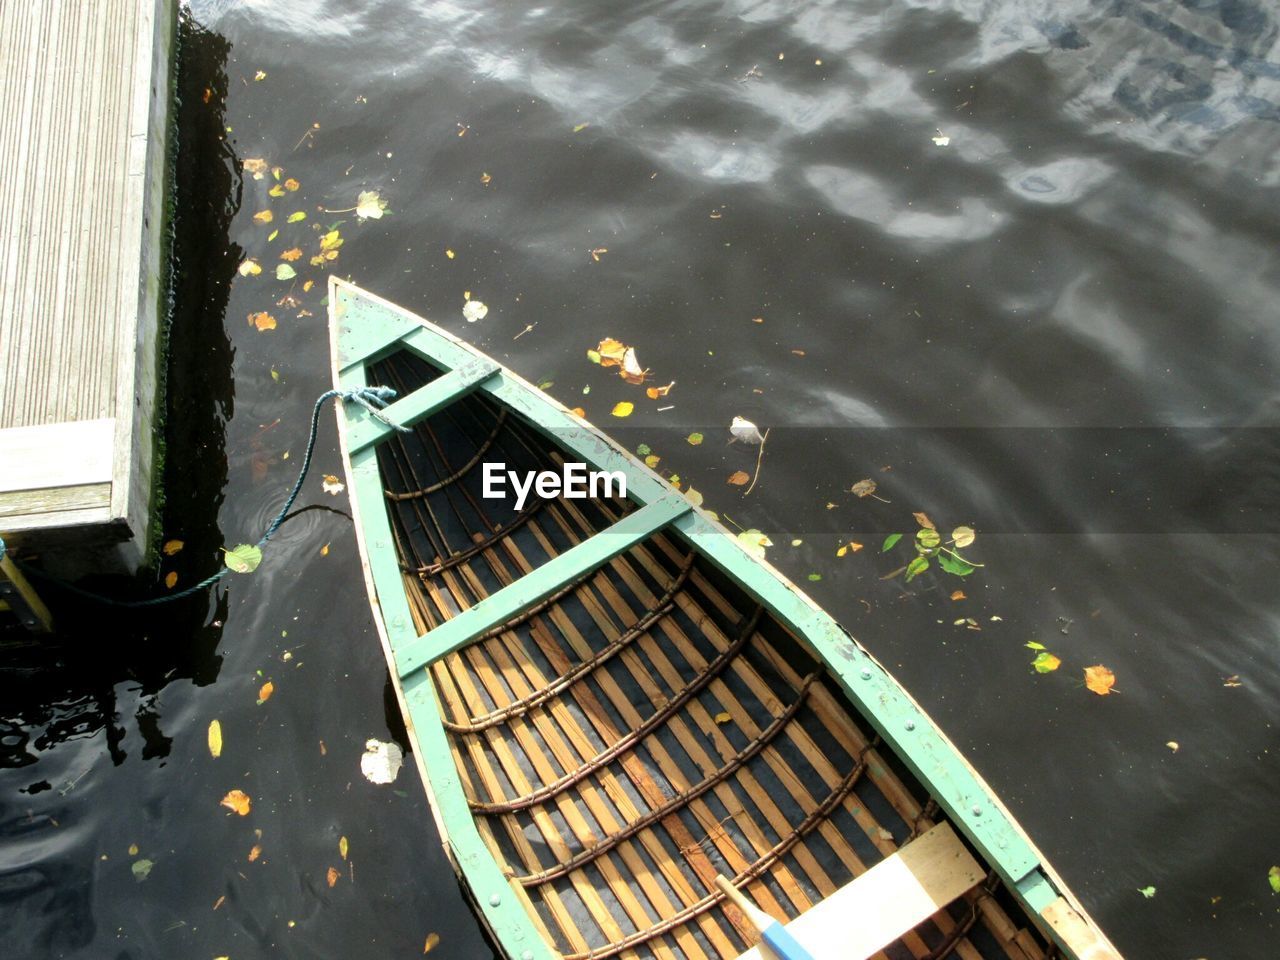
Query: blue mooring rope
[373,399]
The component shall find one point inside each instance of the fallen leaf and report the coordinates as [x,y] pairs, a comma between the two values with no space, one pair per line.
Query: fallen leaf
[324,551]
[1099,679]
[1045,662]
[653,393]
[746,431]
[485,179]
[723,717]
[285,272]
[142,869]
[864,488]
[306,287]
[916,567]
[296,216]
[652,461]
[264,216]
[610,352]
[694,439]
[450,254]
[631,371]
[369,206]
[1232,681]
[1147,892]
[580,127]
[331,876]
[260,75]
[924,521]
[1034,645]
[474,310]
[262,320]
[739,478]
[1273,876]
[256,166]
[293,253]
[623,409]
[381,761]
[851,547]
[133,849]
[291,184]
[963,536]
[889,541]
[754,541]
[958,595]
[171,579]
[693,496]
[265,692]
[433,939]
[243,558]
[815,577]
[578,412]
[1172,745]
[250,268]
[215,738]
[595,254]
[276,191]
[332,485]
[255,852]
[171,547]
[237,801]
[343,847]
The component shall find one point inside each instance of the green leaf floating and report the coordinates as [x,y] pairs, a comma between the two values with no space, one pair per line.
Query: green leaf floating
[244,558]
[1274,876]
[142,869]
[916,567]
[1147,892]
[889,541]
[955,565]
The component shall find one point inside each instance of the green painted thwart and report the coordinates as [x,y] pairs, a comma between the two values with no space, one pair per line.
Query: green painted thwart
[369,328]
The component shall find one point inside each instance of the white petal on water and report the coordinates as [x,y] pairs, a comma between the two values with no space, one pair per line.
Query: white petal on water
[746,431]
[474,310]
[381,761]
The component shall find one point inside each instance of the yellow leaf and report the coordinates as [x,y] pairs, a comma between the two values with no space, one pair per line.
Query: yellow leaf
[433,939]
[256,166]
[171,579]
[291,184]
[485,179]
[652,460]
[306,287]
[332,876]
[723,717]
[250,268]
[262,320]
[215,738]
[133,849]
[1046,662]
[842,551]
[343,847]
[450,254]
[324,551]
[291,254]
[260,75]
[1099,679]
[276,191]
[255,852]
[238,801]
[579,412]
[264,216]
[171,547]
[623,409]
[739,478]
[265,691]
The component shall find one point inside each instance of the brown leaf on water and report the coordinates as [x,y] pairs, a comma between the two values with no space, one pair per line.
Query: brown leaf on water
[291,184]
[293,253]
[739,478]
[171,547]
[170,579]
[256,166]
[864,488]
[264,216]
[611,352]
[958,595]
[332,876]
[579,412]
[1099,679]
[265,692]
[237,801]
[262,320]
[924,521]
[433,939]
[255,853]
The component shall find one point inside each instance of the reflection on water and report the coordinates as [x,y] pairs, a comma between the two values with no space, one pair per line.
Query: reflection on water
[1016,261]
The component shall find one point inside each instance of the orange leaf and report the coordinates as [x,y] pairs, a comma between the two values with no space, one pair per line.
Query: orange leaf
[332,876]
[433,938]
[262,320]
[611,352]
[924,521]
[171,547]
[238,801]
[1099,679]
[170,579]
[263,216]
[265,691]
[291,184]
[578,412]
[739,478]
[293,253]
[255,853]
[958,595]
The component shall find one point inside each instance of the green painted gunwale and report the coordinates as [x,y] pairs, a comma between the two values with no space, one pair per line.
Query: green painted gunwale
[365,328]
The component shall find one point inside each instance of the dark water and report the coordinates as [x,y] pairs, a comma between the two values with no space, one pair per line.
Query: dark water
[1059,328]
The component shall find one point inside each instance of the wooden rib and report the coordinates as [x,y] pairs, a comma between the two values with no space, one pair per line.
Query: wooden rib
[755,870]
[594,802]
[461,471]
[584,667]
[631,738]
[671,770]
[521,518]
[680,800]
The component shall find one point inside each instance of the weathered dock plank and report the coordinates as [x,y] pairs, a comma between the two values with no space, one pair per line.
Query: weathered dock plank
[84,152]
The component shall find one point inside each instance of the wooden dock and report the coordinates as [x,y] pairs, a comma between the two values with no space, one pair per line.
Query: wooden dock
[84,148]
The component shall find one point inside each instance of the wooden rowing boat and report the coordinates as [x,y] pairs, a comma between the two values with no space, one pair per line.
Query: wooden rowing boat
[611,702]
